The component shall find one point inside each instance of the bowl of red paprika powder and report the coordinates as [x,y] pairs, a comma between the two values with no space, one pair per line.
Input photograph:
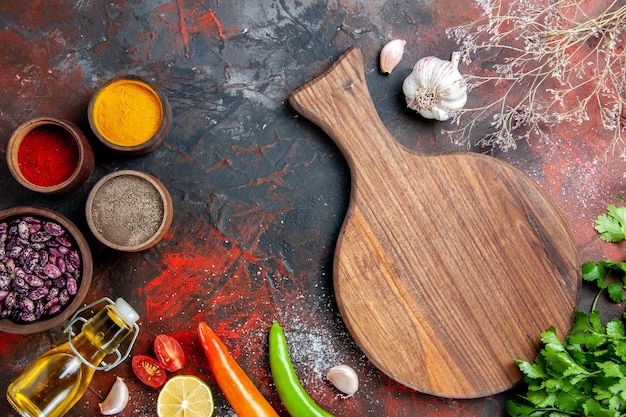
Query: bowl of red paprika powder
[50,156]
[130,115]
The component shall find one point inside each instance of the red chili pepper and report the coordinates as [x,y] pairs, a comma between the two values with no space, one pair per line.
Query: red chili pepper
[241,393]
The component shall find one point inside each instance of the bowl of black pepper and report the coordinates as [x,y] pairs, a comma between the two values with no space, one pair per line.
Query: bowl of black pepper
[45,269]
[129,211]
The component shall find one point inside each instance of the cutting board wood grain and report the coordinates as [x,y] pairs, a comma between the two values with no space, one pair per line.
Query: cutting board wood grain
[448,266]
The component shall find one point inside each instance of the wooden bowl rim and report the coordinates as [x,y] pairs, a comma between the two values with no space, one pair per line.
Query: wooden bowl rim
[156,140]
[85,162]
[167,210]
[7,325]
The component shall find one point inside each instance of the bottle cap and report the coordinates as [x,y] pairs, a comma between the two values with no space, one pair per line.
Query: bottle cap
[125,311]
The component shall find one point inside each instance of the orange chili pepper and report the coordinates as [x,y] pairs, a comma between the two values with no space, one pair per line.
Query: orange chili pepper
[241,393]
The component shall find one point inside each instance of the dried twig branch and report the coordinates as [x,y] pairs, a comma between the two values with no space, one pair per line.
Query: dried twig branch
[559,61]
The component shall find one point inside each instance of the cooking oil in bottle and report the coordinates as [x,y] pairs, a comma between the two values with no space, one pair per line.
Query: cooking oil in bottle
[55,381]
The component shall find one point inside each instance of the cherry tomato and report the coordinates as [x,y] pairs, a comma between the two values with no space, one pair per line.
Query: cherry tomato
[149,371]
[169,352]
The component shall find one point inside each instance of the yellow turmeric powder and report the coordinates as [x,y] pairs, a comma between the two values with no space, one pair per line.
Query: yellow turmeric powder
[127,112]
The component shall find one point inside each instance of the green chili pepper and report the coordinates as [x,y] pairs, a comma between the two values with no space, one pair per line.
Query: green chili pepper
[293,396]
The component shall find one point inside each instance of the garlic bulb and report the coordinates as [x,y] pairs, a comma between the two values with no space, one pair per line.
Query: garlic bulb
[344,378]
[116,400]
[391,55]
[435,88]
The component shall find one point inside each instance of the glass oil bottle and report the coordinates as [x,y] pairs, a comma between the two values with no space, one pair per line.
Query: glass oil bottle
[55,381]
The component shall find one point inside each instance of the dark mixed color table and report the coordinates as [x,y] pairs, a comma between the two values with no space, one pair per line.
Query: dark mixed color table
[259,192]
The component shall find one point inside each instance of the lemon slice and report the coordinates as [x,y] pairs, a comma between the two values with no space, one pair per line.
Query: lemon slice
[185,396]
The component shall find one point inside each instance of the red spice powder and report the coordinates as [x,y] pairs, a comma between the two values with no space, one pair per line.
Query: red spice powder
[48,155]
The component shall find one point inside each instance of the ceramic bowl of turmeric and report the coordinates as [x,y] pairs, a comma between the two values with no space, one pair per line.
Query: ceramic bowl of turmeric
[130,115]
[49,156]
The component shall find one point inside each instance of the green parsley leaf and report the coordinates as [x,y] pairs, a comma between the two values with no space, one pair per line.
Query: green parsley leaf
[616,292]
[523,410]
[568,401]
[581,322]
[532,370]
[619,389]
[616,266]
[594,322]
[620,349]
[612,226]
[593,408]
[615,329]
[589,340]
[593,271]
[611,369]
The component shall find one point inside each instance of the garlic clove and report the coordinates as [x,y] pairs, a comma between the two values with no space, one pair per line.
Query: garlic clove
[344,378]
[116,400]
[391,55]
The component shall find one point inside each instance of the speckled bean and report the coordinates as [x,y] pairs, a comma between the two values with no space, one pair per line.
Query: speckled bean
[71,285]
[53,229]
[51,270]
[38,293]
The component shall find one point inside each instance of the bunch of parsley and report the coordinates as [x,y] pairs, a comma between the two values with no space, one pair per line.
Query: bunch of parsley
[586,374]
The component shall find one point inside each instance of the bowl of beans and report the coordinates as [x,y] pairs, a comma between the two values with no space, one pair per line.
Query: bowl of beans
[45,269]
[50,156]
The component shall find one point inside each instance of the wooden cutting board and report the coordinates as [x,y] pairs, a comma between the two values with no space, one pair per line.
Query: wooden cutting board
[448,267]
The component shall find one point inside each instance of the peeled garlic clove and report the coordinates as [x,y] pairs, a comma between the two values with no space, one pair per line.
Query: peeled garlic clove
[116,400]
[344,378]
[435,88]
[391,54]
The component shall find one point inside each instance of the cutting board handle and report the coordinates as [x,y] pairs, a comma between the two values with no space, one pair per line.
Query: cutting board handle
[339,102]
